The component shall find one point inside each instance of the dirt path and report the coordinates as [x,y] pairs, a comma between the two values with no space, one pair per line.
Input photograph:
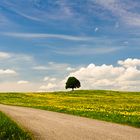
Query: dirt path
[47,125]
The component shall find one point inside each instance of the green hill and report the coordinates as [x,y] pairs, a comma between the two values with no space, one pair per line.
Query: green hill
[113,106]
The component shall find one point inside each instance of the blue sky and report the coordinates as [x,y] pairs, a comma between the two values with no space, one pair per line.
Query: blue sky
[45,38]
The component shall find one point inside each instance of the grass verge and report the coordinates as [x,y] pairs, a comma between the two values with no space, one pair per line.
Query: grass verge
[9,130]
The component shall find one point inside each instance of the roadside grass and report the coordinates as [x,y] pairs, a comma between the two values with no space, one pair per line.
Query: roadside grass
[9,130]
[112,106]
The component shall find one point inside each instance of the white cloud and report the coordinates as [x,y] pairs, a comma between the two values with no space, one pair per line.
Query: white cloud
[35,11]
[19,65]
[70,69]
[57,36]
[130,62]
[7,72]
[4,55]
[86,50]
[23,82]
[52,79]
[14,56]
[53,66]
[48,87]
[124,77]
[96,29]
[40,68]
[130,74]
[123,10]
[49,79]
[46,78]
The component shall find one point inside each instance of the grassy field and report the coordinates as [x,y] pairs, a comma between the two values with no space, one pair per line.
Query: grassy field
[113,106]
[9,130]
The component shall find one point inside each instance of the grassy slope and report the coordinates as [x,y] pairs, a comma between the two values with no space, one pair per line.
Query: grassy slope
[9,130]
[119,107]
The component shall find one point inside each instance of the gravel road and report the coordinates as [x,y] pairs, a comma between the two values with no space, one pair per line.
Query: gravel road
[47,125]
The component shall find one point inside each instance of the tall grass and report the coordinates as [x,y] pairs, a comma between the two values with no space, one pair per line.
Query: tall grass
[9,130]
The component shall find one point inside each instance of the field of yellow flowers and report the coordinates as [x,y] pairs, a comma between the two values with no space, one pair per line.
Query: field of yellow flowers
[113,106]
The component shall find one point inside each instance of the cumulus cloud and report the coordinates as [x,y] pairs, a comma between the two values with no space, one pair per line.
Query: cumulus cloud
[124,76]
[23,82]
[52,79]
[4,55]
[48,87]
[49,79]
[130,62]
[70,69]
[7,72]
[46,78]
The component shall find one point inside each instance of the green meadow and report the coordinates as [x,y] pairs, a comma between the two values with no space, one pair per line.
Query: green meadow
[112,106]
[9,130]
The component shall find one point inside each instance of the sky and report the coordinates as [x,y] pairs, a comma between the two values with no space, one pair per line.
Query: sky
[43,42]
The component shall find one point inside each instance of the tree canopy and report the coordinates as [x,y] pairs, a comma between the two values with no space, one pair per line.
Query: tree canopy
[72,83]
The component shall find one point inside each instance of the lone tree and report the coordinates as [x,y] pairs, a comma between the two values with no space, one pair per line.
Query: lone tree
[72,83]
